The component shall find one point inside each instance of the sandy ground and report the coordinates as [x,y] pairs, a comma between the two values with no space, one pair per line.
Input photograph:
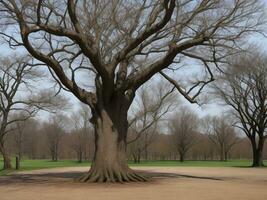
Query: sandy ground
[179,183]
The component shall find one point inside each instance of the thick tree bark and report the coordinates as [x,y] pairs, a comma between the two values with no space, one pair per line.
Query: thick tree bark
[6,158]
[110,159]
[257,152]
[257,158]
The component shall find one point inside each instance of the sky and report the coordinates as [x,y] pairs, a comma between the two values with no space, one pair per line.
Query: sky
[211,108]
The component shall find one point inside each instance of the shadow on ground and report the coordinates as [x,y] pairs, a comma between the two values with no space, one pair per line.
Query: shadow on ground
[47,178]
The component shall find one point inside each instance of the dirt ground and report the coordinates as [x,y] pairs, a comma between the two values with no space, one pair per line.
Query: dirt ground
[179,183]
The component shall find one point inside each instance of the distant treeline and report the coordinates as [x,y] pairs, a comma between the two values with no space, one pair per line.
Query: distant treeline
[50,141]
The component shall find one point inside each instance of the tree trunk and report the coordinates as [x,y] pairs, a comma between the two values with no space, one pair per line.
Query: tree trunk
[135,158]
[6,158]
[139,156]
[225,156]
[257,158]
[80,156]
[17,163]
[7,162]
[110,159]
[146,147]
[182,157]
[221,154]
[56,153]
[20,155]
[257,153]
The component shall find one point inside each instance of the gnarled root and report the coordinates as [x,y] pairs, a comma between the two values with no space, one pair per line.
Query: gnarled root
[112,176]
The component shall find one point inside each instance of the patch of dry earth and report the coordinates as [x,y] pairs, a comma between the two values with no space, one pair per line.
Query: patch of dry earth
[168,183]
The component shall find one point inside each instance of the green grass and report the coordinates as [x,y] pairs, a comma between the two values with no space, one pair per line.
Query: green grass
[189,163]
[42,164]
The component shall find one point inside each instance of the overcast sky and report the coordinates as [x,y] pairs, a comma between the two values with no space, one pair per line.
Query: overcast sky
[210,108]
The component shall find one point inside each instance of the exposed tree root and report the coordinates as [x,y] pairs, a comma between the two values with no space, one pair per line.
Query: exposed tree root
[112,176]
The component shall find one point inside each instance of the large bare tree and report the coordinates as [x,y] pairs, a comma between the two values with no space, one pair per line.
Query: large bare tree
[103,51]
[244,89]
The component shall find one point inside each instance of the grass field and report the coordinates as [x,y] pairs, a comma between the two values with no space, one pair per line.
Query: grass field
[42,164]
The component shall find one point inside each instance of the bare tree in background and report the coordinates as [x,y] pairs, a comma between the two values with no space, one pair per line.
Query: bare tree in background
[183,127]
[15,73]
[82,132]
[54,133]
[221,134]
[244,89]
[31,137]
[153,104]
[120,45]
[203,148]
[18,134]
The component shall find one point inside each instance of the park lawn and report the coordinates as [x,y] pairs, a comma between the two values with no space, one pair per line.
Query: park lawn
[43,164]
[196,163]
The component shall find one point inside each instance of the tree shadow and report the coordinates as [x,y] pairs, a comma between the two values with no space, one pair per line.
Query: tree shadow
[251,167]
[176,175]
[71,177]
[44,178]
